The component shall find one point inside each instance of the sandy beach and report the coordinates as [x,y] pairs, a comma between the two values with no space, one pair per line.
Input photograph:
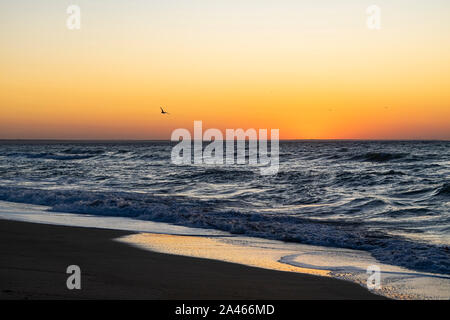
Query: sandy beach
[35,258]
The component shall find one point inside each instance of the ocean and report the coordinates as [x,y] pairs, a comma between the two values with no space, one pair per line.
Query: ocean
[388,198]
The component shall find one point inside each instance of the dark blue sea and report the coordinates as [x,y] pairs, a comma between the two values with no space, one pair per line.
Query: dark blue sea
[390,198]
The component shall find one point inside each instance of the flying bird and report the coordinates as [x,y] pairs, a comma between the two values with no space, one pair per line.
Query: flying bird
[162,111]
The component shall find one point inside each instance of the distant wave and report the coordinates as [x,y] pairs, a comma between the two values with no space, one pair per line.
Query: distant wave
[444,190]
[49,156]
[379,156]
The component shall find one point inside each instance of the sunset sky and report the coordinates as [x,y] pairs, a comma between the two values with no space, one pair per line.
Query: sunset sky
[309,68]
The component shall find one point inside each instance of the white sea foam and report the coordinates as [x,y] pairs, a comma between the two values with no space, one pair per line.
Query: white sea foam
[40,214]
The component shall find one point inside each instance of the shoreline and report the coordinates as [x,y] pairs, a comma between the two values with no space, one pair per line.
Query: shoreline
[35,258]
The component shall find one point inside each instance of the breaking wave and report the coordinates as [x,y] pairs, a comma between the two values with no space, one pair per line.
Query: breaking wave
[182,211]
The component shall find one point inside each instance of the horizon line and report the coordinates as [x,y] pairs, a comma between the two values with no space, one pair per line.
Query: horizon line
[168,140]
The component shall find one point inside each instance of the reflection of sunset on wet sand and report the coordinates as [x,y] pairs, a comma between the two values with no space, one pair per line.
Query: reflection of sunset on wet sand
[217,249]
[347,264]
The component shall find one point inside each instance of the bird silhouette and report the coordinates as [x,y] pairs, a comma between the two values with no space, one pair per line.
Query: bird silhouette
[162,111]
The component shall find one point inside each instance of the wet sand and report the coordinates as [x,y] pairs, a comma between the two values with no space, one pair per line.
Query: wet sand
[34,258]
